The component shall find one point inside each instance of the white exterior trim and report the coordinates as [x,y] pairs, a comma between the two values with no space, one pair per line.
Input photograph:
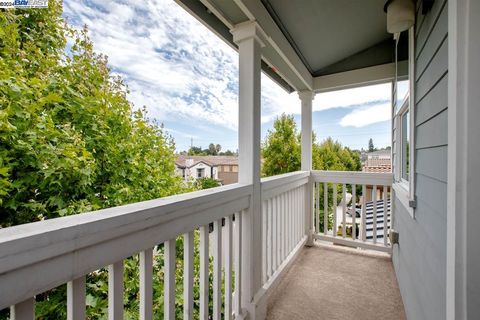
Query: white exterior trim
[463,218]
[357,78]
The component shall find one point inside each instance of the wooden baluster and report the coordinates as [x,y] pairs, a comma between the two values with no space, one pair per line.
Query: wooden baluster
[289,224]
[204,271]
[169,280]
[238,264]
[374,214]
[296,217]
[317,208]
[385,216]
[228,266]
[354,212]
[264,241]
[334,210]
[24,310]
[76,299]
[283,210]
[146,288]
[344,211]
[325,208]
[275,234]
[188,248]
[115,291]
[363,213]
[270,236]
[217,270]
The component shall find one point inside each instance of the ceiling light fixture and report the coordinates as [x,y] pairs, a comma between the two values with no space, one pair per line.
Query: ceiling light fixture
[400,15]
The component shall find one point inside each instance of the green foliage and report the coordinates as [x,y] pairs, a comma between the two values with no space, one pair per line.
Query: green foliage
[281,149]
[371,147]
[207,183]
[212,150]
[70,141]
[331,155]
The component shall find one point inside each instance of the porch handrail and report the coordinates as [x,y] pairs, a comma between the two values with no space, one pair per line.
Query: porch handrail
[272,186]
[353,177]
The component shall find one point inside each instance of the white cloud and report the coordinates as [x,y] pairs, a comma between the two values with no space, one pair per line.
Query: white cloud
[180,70]
[367,115]
[172,64]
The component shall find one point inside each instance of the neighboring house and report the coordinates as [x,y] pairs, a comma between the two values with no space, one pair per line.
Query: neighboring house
[377,162]
[224,169]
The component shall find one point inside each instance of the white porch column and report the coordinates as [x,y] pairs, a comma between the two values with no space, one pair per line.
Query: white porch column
[306,97]
[463,215]
[249,39]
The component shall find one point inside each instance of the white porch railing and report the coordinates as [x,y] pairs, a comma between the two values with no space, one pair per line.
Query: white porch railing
[37,257]
[283,213]
[365,222]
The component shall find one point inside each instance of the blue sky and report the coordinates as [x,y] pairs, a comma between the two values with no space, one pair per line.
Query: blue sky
[188,78]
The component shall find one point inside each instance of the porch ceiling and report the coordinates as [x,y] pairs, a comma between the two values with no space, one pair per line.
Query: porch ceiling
[310,41]
[325,32]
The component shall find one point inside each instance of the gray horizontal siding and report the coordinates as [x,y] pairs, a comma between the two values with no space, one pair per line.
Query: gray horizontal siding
[433,103]
[419,268]
[420,257]
[438,35]
[433,169]
[433,133]
[435,70]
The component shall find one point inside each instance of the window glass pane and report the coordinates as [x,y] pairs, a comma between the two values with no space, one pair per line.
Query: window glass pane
[406,145]
[402,92]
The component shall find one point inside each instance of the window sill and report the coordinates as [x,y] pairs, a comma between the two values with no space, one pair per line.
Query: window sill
[402,194]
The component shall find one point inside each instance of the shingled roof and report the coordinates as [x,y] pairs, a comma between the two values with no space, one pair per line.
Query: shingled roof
[213,161]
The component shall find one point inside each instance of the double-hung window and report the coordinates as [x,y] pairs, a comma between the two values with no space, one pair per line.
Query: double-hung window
[403,113]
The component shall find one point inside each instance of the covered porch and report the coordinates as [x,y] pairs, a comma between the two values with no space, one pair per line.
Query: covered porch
[261,241]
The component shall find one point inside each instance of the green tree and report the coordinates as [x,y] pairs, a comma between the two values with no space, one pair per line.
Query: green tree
[371,147]
[195,151]
[207,183]
[71,142]
[281,149]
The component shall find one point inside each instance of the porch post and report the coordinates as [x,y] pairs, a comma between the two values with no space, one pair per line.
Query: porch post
[306,98]
[249,38]
[463,216]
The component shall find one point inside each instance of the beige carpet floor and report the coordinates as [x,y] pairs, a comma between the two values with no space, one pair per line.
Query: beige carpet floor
[331,282]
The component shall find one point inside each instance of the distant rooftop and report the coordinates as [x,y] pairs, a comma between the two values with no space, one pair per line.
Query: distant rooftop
[182,160]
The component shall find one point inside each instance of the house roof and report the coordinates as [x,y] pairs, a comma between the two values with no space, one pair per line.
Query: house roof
[213,161]
[384,152]
[379,168]
[369,218]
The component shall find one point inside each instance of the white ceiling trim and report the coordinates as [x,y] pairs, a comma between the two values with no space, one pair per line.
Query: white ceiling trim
[357,78]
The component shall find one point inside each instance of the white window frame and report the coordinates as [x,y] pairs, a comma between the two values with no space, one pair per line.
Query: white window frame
[405,190]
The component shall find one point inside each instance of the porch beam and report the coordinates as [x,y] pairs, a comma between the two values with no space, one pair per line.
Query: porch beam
[256,11]
[359,77]
[250,39]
